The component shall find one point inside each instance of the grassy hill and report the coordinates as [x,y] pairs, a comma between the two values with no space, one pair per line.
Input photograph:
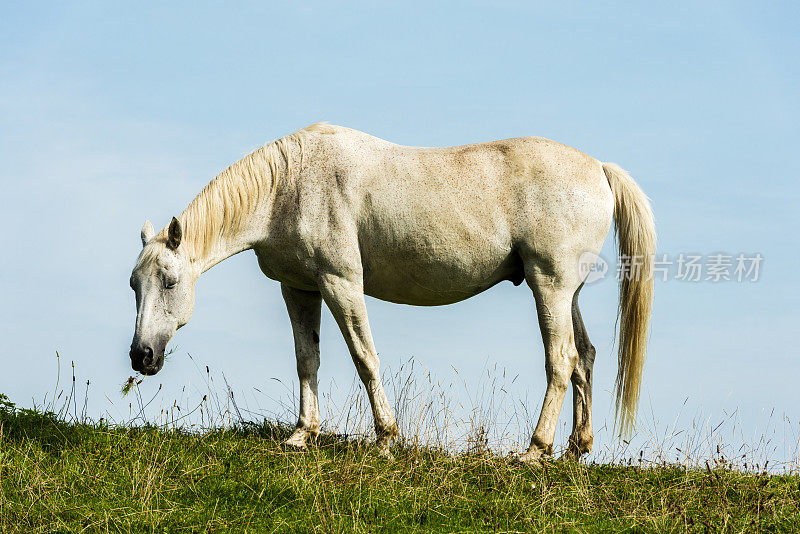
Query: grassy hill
[62,477]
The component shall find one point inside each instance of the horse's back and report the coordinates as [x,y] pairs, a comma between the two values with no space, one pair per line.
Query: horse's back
[502,167]
[520,180]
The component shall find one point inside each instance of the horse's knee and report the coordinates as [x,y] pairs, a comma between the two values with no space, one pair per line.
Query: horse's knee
[308,366]
[367,364]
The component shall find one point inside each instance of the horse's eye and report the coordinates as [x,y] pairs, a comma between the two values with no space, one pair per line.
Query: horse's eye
[131,282]
[169,283]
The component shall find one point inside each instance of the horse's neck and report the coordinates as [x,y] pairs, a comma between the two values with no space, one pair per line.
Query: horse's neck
[252,230]
[251,225]
[204,252]
[222,250]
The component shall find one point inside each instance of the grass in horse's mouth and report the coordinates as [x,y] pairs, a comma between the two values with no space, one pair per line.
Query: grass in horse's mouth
[134,381]
[129,383]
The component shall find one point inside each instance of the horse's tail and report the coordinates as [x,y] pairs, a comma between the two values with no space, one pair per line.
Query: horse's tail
[636,239]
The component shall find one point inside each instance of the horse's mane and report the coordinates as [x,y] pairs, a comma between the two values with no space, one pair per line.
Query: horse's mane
[221,206]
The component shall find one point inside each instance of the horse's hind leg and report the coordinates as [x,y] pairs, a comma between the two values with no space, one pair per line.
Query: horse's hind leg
[345,299]
[553,293]
[304,312]
[580,441]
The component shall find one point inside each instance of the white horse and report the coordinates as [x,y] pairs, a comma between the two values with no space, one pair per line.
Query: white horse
[334,214]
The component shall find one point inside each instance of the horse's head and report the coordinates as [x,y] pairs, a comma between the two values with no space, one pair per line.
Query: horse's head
[163,281]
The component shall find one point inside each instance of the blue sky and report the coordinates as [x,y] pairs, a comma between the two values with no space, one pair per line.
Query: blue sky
[110,114]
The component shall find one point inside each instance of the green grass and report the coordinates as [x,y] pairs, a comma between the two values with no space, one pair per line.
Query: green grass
[62,477]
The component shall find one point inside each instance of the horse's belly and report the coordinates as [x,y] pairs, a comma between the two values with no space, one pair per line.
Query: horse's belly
[434,278]
[429,247]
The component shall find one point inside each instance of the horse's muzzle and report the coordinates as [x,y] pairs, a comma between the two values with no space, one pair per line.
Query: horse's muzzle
[144,360]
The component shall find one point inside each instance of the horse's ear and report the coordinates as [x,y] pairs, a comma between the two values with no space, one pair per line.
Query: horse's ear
[147,232]
[175,234]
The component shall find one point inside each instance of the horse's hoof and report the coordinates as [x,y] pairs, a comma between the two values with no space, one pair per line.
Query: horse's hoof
[297,441]
[294,445]
[383,448]
[532,458]
[570,455]
[384,440]
[386,453]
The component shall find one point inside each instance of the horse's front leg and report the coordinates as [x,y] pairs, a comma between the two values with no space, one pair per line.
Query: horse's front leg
[345,299]
[304,312]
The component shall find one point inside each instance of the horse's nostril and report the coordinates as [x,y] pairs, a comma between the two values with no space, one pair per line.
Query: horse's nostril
[142,354]
[148,355]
